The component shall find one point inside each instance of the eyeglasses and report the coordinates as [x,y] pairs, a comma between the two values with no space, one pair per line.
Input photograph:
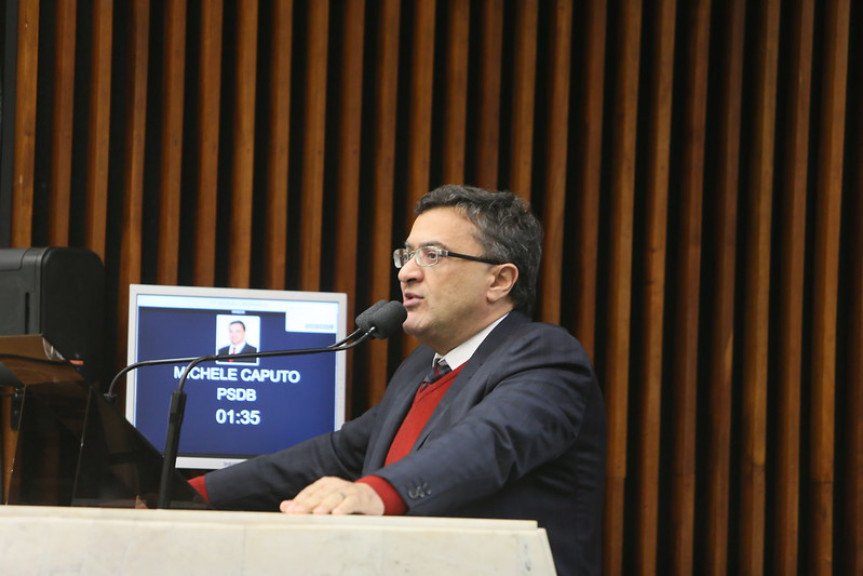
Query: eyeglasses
[427,256]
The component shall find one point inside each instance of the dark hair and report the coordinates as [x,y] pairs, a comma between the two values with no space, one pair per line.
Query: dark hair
[506,228]
[240,322]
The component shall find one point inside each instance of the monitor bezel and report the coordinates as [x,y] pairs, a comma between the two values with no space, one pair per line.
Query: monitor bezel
[232,294]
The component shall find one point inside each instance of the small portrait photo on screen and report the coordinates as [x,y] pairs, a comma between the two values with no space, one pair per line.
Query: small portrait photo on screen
[238,335]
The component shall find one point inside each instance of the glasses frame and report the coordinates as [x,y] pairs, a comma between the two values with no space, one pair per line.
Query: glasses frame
[402,256]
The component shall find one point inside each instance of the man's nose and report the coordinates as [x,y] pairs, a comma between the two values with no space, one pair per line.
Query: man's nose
[410,270]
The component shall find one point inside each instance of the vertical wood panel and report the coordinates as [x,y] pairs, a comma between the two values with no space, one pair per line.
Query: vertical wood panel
[276,231]
[350,115]
[652,292]
[791,255]
[59,199]
[488,128]
[616,373]
[346,233]
[243,149]
[173,94]
[312,201]
[25,123]
[720,310]
[589,121]
[524,97]
[134,139]
[684,366]
[207,143]
[420,102]
[98,131]
[554,193]
[455,94]
[826,280]
[386,84]
[853,529]
[419,116]
[757,291]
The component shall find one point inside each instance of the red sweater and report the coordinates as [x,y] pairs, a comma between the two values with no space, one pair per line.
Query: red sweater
[425,402]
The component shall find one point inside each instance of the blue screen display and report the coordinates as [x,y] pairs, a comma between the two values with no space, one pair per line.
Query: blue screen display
[237,408]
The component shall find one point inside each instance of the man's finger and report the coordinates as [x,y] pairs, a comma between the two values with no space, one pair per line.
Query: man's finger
[330,502]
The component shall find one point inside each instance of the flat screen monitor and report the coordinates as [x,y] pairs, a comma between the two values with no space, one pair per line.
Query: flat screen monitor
[235,409]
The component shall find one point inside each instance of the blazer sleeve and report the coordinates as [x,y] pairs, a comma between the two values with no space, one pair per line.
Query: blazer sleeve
[523,407]
[261,483]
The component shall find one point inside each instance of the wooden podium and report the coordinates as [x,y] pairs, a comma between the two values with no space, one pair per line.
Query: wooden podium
[64,444]
[25,361]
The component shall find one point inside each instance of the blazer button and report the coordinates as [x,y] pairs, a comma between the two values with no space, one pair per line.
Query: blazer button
[413,493]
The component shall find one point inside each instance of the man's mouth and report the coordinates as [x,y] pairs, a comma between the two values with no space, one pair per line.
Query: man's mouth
[410,299]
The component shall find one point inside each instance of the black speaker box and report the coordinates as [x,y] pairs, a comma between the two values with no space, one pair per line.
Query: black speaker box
[59,293]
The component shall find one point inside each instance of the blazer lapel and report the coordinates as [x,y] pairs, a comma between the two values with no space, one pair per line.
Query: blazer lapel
[458,390]
[401,392]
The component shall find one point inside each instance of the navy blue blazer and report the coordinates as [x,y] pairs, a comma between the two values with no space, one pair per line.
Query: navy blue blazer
[521,434]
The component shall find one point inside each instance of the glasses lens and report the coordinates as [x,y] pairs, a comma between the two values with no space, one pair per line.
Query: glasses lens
[425,256]
[428,256]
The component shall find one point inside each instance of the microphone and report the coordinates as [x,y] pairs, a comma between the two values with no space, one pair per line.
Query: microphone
[378,321]
[382,319]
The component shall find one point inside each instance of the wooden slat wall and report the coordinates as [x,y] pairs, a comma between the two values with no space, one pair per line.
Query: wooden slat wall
[278,147]
[524,95]
[719,306]
[98,125]
[207,142]
[758,208]
[852,494]
[791,195]
[555,163]
[242,144]
[62,113]
[25,124]
[134,125]
[585,194]
[455,82]
[171,146]
[686,263]
[614,370]
[697,166]
[647,381]
[829,169]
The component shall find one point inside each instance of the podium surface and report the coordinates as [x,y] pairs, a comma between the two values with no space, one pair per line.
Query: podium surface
[60,540]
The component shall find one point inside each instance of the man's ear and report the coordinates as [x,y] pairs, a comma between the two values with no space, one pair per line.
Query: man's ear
[503,279]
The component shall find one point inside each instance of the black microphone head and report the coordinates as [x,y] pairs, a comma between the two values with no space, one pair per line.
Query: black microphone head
[385,320]
[365,320]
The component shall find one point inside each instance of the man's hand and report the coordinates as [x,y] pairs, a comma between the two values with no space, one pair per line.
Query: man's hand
[331,495]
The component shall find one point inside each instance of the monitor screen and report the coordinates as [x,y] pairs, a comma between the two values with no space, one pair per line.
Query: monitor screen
[235,409]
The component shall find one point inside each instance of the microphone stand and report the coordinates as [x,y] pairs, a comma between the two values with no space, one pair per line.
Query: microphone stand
[178,402]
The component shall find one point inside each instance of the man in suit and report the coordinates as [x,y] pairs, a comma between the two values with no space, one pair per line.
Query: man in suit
[238,345]
[515,428]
